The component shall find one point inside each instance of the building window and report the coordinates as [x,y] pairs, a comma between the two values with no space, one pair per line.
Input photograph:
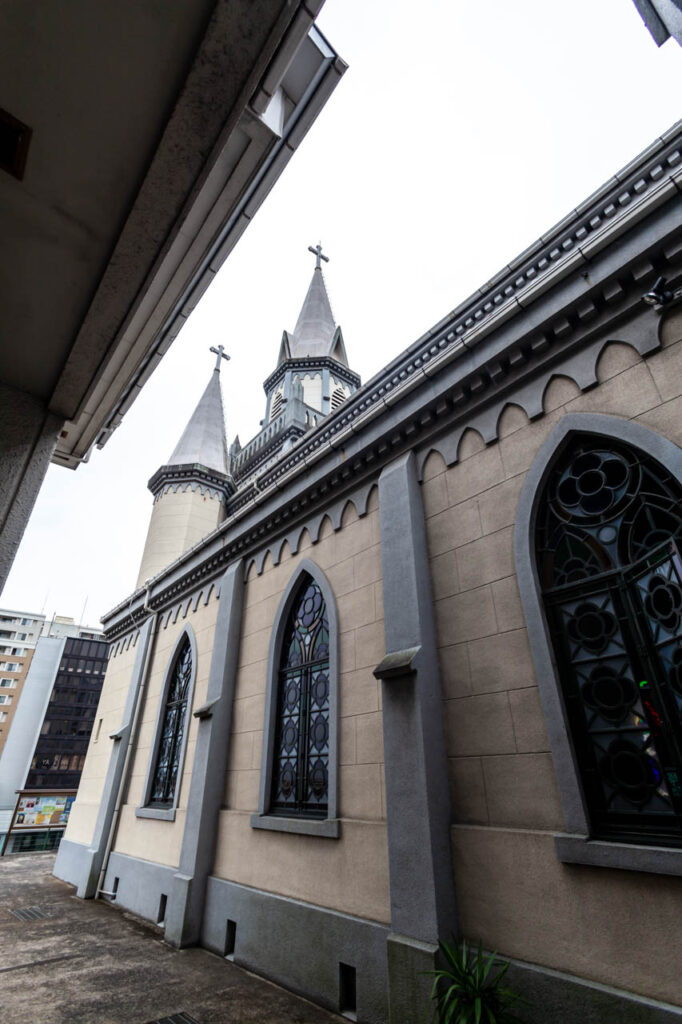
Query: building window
[8,684]
[298,779]
[5,699]
[608,539]
[597,540]
[300,782]
[164,776]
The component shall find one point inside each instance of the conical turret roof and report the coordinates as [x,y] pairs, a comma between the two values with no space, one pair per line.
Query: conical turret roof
[315,327]
[203,440]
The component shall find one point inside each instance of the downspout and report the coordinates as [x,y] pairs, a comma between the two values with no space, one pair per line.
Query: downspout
[128,757]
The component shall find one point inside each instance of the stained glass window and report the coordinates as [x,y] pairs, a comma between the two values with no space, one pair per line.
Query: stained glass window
[301,754]
[164,778]
[608,542]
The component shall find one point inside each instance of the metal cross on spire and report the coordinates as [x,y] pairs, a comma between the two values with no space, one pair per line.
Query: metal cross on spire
[221,354]
[318,254]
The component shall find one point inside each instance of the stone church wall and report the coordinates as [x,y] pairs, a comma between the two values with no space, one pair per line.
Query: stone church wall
[145,838]
[108,719]
[513,893]
[349,874]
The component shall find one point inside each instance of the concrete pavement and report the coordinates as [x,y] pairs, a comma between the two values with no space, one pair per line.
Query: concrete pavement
[70,961]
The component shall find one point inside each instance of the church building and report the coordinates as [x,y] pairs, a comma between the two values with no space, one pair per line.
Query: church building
[407,666]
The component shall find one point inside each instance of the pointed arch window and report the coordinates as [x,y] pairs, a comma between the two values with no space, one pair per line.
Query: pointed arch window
[298,784]
[300,776]
[165,768]
[608,538]
[165,776]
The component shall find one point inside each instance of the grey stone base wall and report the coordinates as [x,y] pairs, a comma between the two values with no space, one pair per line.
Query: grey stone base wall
[556,998]
[141,885]
[73,863]
[300,946]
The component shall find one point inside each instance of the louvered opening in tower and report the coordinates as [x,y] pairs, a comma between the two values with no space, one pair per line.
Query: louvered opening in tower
[276,407]
[338,398]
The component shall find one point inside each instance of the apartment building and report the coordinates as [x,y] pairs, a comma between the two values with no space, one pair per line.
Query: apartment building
[19,632]
[44,755]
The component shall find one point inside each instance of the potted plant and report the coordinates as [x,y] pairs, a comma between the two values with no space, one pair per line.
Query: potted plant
[468,988]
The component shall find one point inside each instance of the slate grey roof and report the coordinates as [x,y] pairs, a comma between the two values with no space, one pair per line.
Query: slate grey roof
[315,327]
[203,440]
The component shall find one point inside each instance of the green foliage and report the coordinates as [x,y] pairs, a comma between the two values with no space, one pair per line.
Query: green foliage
[468,988]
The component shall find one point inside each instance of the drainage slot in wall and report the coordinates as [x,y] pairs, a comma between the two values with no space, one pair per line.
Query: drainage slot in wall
[114,888]
[347,994]
[230,938]
[161,916]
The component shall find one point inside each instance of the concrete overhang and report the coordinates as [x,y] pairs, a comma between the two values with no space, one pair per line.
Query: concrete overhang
[157,131]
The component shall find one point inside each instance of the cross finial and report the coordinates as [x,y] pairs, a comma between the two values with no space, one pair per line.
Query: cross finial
[221,354]
[318,254]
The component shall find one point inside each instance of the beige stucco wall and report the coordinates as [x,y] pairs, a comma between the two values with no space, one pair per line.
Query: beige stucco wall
[147,838]
[108,719]
[179,520]
[351,873]
[512,892]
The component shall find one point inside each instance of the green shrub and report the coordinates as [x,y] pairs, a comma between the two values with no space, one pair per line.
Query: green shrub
[468,988]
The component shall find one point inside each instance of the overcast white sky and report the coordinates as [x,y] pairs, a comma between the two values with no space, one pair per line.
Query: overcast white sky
[461,132]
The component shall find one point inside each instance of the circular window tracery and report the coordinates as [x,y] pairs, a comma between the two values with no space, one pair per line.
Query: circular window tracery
[608,533]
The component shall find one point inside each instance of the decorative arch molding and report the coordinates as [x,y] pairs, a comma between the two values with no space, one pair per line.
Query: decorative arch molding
[123,644]
[144,810]
[189,604]
[359,499]
[576,846]
[189,485]
[580,368]
[329,826]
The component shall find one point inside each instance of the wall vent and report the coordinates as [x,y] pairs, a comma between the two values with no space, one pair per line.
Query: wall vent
[230,938]
[347,991]
[14,140]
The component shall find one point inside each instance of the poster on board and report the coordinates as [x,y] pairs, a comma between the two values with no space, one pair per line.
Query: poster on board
[43,810]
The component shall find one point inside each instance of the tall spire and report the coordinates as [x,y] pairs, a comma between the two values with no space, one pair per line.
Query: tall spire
[203,441]
[191,490]
[315,327]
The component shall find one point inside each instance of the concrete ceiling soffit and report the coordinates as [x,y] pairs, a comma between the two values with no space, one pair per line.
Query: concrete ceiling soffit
[166,258]
[663,18]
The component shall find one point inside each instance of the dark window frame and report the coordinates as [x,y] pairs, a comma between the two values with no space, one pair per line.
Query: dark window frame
[149,808]
[273,818]
[578,844]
